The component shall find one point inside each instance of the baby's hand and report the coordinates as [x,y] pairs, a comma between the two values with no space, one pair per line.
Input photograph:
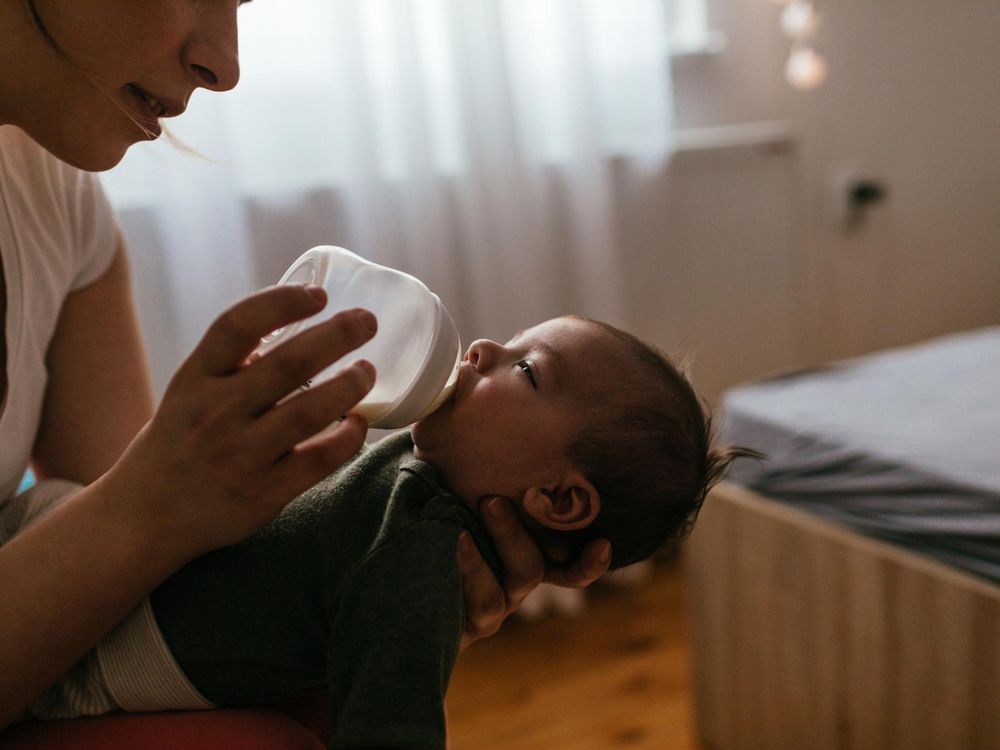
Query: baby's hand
[487,603]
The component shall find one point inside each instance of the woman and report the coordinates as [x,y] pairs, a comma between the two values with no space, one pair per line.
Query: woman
[83,81]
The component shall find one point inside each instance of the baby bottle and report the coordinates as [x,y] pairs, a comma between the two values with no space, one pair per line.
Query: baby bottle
[416,351]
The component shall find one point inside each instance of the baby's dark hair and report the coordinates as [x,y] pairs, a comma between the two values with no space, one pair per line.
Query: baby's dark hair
[648,451]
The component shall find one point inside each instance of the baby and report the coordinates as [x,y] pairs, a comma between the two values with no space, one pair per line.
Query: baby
[354,588]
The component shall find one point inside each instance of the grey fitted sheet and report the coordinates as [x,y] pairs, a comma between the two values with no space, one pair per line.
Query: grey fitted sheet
[903,445]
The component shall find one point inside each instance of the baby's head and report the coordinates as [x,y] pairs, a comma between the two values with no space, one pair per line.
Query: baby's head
[585,429]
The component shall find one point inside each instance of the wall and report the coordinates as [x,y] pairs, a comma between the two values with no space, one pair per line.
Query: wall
[714,273]
[731,253]
[913,98]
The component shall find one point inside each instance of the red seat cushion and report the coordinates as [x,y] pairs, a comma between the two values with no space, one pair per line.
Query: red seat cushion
[298,725]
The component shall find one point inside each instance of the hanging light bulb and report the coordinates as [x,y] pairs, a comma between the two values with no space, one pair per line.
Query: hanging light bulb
[805,69]
[799,20]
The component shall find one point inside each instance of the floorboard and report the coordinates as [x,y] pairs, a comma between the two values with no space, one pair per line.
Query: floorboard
[616,676]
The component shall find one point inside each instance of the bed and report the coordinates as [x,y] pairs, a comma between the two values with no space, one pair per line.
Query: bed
[845,593]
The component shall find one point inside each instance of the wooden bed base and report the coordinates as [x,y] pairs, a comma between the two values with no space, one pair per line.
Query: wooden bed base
[809,636]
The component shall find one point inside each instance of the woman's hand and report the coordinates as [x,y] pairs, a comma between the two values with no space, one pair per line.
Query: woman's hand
[487,603]
[222,456]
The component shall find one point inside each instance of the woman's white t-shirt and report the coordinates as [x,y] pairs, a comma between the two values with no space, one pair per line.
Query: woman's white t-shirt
[57,235]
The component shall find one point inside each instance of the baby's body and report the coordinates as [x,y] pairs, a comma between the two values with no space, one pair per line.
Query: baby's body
[353,590]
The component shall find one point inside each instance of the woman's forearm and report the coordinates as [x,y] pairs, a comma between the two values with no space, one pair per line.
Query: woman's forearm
[217,462]
[67,581]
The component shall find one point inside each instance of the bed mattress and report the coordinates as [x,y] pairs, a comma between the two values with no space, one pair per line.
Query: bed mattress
[903,445]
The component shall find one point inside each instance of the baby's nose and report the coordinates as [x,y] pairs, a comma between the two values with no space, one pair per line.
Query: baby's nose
[480,354]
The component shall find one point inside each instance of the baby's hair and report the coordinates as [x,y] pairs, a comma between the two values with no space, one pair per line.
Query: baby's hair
[648,449]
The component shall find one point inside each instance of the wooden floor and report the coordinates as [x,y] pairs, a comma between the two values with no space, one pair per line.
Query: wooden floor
[616,676]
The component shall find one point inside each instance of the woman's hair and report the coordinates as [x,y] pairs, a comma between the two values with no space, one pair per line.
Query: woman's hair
[647,449]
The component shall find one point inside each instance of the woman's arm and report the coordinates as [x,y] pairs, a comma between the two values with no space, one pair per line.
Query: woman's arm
[66,581]
[99,395]
[220,459]
[72,579]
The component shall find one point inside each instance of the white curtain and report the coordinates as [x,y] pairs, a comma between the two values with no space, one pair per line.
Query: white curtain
[469,142]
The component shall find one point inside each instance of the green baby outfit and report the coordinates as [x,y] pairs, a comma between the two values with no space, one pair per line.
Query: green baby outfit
[353,589]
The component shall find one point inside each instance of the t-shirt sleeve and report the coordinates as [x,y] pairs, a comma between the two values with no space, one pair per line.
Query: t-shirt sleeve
[395,640]
[95,230]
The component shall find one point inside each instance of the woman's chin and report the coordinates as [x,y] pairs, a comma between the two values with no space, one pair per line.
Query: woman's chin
[99,157]
[97,162]
[92,152]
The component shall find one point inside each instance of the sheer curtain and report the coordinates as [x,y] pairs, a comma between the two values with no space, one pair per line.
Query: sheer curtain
[469,142]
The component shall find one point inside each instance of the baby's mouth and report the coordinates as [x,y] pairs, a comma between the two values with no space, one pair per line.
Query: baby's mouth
[459,383]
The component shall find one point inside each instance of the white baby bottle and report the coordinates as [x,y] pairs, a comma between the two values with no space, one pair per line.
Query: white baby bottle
[416,351]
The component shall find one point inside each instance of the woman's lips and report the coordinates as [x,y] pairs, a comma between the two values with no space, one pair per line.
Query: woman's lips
[149,118]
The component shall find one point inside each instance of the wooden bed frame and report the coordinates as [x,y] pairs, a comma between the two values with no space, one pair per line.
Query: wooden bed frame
[809,636]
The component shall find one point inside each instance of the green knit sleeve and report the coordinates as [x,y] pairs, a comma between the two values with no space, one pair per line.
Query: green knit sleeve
[395,635]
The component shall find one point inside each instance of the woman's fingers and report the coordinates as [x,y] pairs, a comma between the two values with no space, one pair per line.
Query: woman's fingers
[221,457]
[284,369]
[316,459]
[238,331]
[485,602]
[523,562]
[488,603]
[588,567]
[296,419]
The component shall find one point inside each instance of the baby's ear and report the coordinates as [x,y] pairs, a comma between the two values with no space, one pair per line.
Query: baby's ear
[571,504]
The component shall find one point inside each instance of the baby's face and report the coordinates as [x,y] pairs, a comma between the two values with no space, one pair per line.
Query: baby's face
[516,408]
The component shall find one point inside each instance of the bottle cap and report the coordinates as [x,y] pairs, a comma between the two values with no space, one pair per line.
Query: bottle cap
[417,350]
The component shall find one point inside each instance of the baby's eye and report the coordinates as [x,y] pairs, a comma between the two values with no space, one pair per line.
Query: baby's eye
[529,371]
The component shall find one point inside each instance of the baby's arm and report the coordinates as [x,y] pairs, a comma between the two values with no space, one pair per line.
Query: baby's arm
[395,640]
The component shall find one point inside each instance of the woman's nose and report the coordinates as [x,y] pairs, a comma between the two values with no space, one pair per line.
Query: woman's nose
[212,53]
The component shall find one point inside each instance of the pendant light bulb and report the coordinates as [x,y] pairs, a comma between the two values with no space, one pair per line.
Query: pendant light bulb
[806,69]
[799,20]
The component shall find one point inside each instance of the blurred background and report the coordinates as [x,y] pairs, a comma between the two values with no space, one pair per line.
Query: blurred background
[660,164]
